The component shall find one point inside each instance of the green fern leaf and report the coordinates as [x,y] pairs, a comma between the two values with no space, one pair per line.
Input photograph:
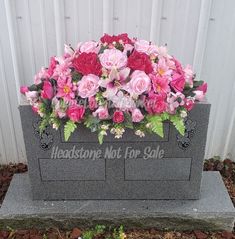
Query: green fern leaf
[69,128]
[178,122]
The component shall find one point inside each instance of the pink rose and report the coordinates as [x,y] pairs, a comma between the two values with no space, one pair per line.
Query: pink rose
[203,88]
[178,82]
[118,116]
[155,104]
[139,83]
[23,89]
[142,46]
[47,90]
[92,103]
[189,104]
[137,116]
[113,58]
[89,46]
[75,112]
[88,86]
[102,113]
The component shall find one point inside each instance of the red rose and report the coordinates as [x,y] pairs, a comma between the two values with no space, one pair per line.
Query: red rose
[140,61]
[107,39]
[87,63]
[76,112]
[118,117]
[110,39]
[52,66]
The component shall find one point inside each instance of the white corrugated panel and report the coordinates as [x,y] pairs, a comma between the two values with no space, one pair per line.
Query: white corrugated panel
[198,32]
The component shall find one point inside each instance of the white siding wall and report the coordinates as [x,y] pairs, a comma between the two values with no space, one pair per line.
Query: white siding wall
[199,32]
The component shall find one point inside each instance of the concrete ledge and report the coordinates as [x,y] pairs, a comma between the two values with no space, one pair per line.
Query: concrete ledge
[214,211]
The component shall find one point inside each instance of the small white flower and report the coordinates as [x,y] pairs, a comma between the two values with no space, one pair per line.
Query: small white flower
[139,133]
[55,126]
[118,136]
[105,126]
[112,131]
[148,125]
[183,114]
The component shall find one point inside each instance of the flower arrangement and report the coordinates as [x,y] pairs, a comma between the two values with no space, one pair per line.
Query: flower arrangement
[114,84]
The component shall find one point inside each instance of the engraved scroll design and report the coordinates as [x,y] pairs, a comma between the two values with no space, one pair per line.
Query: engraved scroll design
[185,141]
[45,138]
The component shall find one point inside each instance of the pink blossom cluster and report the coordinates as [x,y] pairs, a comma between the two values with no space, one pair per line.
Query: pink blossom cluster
[113,77]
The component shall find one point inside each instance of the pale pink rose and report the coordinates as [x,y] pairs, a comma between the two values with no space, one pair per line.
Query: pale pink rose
[89,46]
[92,103]
[199,95]
[142,46]
[31,96]
[88,86]
[59,110]
[188,74]
[113,58]
[102,113]
[137,116]
[139,83]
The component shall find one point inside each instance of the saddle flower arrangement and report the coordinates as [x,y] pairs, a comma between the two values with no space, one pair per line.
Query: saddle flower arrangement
[114,84]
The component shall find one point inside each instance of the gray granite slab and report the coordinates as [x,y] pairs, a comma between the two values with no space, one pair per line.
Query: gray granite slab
[128,168]
[213,211]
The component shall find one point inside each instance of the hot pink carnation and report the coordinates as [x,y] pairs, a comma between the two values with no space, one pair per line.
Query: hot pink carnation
[47,90]
[155,104]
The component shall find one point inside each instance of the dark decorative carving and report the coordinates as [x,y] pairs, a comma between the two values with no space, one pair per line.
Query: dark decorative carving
[190,128]
[45,138]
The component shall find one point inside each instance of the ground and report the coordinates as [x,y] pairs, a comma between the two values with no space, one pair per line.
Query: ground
[226,168]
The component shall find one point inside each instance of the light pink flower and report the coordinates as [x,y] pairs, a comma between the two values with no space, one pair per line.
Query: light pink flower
[160,84]
[199,95]
[89,46]
[102,113]
[163,68]
[31,96]
[174,101]
[62,69]
[127,47]
[65,88]
[88,86]
[113,58]
[42,74]
[188,74]
[59,110]
[68,51]
[137,116]
[139,83]
[142,46]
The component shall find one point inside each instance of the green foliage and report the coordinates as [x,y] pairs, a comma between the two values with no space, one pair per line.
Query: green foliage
[119,233]
[99,229]
[92,123]
[69,128]
[43,124]
[128,121]
[76,76]
[156,124]
[101,136]
[88,235]
[178,122]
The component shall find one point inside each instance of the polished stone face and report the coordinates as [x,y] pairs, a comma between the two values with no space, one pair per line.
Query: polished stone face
[126,168]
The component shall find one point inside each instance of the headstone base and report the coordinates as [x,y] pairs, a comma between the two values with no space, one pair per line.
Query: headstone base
[214,211]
